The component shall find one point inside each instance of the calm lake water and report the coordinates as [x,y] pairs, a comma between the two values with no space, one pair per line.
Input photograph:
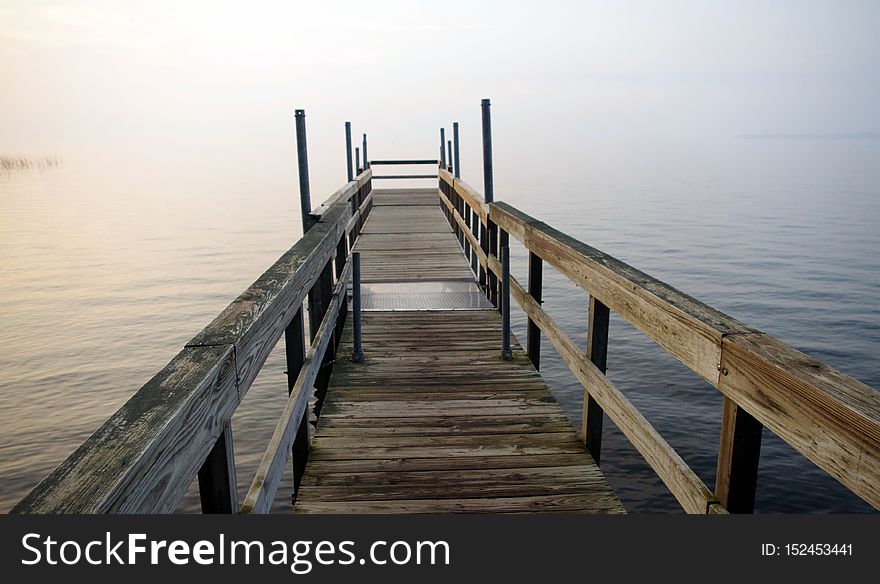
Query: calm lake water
[107,270]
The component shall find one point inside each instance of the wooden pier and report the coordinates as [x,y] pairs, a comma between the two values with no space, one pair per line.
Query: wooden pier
[447,411]
[412,429]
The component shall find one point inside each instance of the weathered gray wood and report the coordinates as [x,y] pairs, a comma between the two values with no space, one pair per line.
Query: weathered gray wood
[143,458]
[265,484]
[682,482]
[739,453]
[453,434]
[255,321]
[217,487]
[688,329]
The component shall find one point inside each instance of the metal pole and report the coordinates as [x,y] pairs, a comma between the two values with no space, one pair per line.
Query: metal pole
[302,154]
[442,147]
[348,150]
[488,182]
[506,353]
[455,149]
[358,354]
[357,158]
[366,160]
[449,146]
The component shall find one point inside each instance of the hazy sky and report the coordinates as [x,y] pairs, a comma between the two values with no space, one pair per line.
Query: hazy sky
[89,76]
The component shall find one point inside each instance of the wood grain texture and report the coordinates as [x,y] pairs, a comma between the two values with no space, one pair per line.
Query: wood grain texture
[827,416]
[261,493]
[143,458]
[683,483]
[686,328]
[413,429]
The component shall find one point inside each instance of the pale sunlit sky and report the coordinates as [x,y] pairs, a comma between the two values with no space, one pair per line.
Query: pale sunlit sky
[221,79]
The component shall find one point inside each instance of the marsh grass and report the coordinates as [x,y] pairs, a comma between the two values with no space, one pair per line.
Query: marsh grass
[9,164]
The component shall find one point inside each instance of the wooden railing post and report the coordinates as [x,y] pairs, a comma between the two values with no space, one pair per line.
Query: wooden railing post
[319,300]
[357,353]
[295,352]
[506,353]
[736,477]
[341,257]
[492,240]
[217,486]
[536,277]
[597,352]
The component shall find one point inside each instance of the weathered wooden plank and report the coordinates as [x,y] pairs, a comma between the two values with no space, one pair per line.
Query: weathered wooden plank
[601,502]
[682,482]
[827,416]
[255,320]
[261,493]
[686,328]
[143,458]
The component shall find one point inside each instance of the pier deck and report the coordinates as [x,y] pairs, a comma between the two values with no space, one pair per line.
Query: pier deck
[434,421]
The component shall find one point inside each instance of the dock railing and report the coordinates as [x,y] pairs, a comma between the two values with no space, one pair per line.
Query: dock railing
[177,426]
[829,417]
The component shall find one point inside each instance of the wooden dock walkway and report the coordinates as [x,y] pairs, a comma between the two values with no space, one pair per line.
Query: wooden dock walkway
[437,418]
[413,429]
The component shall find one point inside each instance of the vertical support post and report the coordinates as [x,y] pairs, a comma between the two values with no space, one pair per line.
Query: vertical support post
[348,151]
[358,353]
[295,351]
[506,353]
[597,352]
[319,299]
[357,158]
[536,277]
[736,478]
[341,258]
[488,180]
[217,488]
[366,159]
[492,230]
[455,150]
[302,155]
[449,154]
[442,147]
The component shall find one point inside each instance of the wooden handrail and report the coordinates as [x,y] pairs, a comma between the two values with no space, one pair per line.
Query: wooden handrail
[829,417]
[143,459]
[262,490]
[394,162]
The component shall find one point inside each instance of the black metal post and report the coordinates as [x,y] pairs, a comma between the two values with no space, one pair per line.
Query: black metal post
[506,353]
[348,150]
[442,147]
[302,154]
[358,353]
[488,181]
[357,159]
[449,150]
[366,159]
[455,150]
